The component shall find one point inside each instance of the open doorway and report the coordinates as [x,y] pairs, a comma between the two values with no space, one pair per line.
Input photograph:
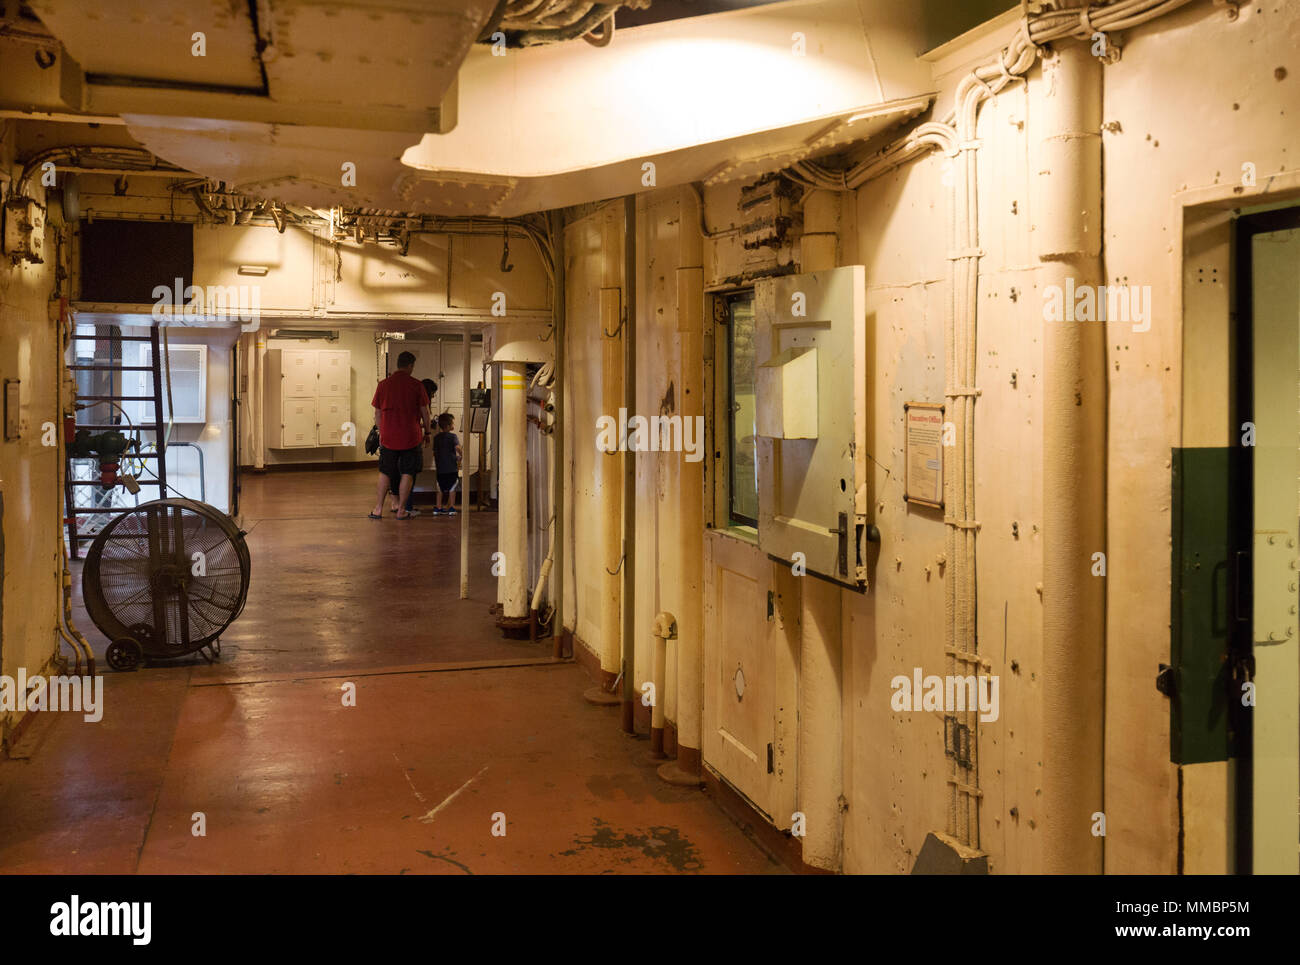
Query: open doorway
[1267,396]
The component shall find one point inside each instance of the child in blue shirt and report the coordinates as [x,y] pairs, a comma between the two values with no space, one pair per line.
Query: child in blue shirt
[446,462]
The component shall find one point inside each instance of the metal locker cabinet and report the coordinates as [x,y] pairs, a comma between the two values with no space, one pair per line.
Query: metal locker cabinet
[333,373]
[298,424]
[331,415]
[297,373]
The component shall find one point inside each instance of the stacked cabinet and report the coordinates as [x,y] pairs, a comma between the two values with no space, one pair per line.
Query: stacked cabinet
[308,397]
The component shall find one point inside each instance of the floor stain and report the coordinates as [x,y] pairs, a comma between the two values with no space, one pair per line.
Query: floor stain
[446,858]
[661,842]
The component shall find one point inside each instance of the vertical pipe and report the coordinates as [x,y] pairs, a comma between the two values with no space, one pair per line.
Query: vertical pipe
[258,419]
[496,450]
[559,294]
[690,508]
[512,519]
[464,475]
[629,465]
[659,675]
[612,305]
[1074,468]
[963,819]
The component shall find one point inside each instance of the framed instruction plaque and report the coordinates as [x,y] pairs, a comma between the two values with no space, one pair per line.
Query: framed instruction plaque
[923,453]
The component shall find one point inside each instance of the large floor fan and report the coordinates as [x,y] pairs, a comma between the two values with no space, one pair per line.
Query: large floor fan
[164,579]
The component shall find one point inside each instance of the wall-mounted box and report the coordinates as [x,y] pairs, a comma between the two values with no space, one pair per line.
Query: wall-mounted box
[24,236]
[787,395]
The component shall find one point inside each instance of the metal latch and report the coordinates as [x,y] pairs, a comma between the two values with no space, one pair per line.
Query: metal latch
[1166,680]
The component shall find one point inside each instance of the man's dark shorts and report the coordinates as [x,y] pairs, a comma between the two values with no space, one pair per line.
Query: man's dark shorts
[395,463]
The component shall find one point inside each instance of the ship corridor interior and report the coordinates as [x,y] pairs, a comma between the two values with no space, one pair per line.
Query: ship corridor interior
[879,435]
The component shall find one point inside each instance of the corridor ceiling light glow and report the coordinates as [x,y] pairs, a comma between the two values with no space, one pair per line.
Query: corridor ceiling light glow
[258,270]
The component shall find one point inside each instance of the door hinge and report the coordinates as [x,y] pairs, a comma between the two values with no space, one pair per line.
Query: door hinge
[770,763]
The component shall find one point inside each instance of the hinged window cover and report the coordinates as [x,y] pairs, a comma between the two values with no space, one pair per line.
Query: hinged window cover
[812,492]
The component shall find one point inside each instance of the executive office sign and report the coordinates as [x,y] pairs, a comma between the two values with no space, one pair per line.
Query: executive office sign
[923,453]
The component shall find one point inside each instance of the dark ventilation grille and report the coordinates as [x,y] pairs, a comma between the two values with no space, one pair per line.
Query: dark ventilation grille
[123,261]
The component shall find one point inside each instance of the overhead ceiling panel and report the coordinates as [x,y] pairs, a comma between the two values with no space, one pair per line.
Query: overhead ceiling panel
[286,162]
[388,54]
[153,40]
[383,65]
[707,99]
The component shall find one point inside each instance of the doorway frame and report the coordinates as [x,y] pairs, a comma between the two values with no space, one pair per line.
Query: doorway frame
[1206,803]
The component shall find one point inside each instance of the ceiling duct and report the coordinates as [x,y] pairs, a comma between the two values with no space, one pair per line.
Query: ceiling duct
[527,23]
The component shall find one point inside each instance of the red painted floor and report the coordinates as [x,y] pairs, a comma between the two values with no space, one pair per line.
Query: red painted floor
[415,778]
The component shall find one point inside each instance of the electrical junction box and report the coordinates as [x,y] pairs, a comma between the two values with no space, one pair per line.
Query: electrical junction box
[811,406]
[24,230]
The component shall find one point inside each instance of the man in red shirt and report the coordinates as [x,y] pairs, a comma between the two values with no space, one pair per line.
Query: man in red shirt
[402,414]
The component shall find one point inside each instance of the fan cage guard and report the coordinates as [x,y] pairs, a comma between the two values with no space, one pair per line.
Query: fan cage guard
[143,580]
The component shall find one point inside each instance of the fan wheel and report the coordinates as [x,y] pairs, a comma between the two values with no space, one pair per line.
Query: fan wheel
[124,654]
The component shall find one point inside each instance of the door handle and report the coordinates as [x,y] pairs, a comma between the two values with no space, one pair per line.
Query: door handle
[1240,608]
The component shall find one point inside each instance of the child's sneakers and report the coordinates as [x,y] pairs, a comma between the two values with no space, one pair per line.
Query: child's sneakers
[449,511]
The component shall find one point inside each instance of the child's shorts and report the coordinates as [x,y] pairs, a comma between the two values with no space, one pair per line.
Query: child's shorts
[446,481]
